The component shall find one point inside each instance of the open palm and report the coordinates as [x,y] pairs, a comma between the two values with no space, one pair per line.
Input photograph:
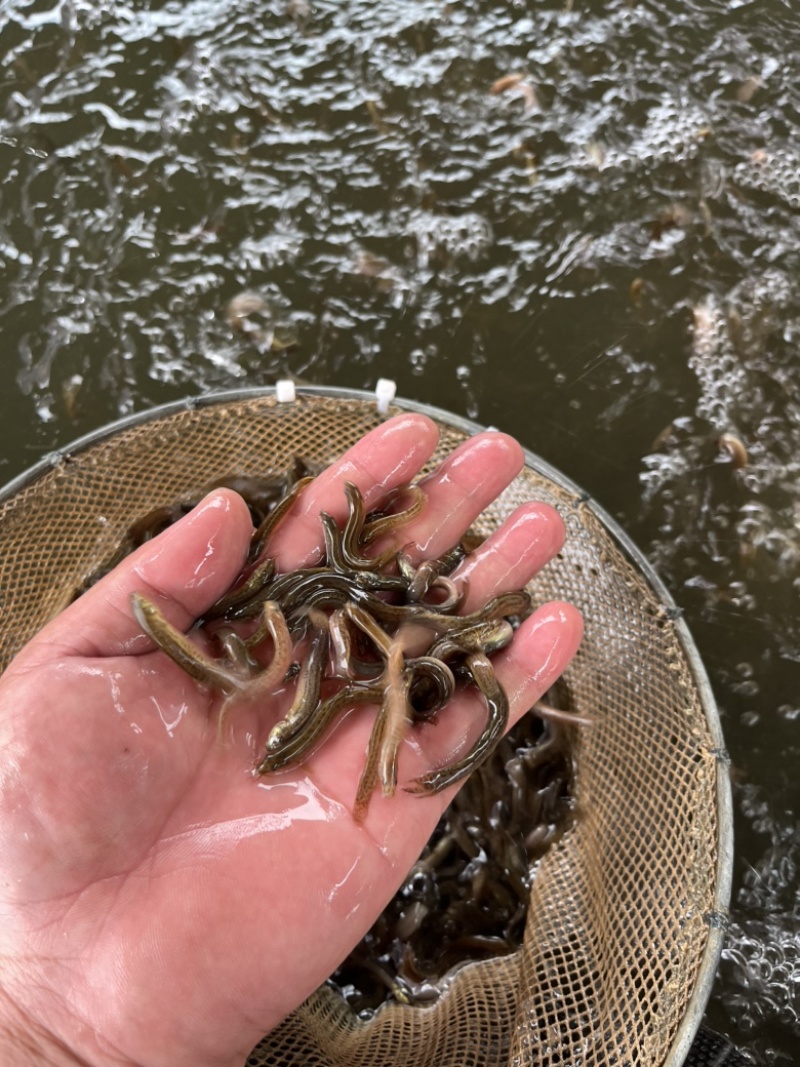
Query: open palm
[159,904]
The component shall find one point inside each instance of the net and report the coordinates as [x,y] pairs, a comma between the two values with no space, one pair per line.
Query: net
[626,910]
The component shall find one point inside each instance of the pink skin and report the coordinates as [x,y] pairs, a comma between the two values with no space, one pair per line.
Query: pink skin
[158,904]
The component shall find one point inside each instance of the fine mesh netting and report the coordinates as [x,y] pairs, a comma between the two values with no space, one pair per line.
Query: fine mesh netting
[623,923]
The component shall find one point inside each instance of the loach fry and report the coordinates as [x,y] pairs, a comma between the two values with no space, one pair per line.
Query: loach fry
[397,644]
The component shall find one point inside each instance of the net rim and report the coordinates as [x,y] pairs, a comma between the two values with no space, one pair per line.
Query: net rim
[716,920]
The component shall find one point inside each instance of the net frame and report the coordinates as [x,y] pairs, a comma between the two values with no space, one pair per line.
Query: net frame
[569,995]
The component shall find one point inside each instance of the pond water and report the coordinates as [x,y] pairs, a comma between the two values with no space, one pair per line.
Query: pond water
[599,256]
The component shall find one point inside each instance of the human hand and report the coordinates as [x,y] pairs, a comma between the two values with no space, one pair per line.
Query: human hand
[159,905]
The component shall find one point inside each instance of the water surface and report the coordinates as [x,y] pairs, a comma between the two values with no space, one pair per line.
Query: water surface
[600,259]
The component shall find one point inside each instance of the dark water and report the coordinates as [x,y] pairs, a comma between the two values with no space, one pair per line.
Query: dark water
[601,260]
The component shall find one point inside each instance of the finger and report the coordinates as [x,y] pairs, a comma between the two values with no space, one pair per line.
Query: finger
[183,571]
[388,456]
[466,482]
[509,557]
[543,648]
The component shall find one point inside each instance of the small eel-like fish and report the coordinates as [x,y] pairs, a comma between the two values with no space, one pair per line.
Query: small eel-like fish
[430,686]
[267,621]
[261,494]
[155,522]
[180,649]
[502,606]
[398,714]
[488,636]
[266,681]
[454,594]
[297,589]
[369,775]
[387,733]
[374,528]
[547,711]
[235,650]
[367,624]
[309,684]
[251,592]
[300,746]
[341,645]
[347,664]
[339,557]
[516,603]
[248,590]
[481,669]
[428,575]
[343,547]
[262,535]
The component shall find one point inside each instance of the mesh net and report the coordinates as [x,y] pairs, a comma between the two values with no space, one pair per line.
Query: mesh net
[621,916]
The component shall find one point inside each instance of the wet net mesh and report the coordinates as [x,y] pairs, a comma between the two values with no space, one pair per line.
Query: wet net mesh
[621,908]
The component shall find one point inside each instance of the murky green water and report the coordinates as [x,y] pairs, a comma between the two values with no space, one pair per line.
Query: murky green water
[600,259]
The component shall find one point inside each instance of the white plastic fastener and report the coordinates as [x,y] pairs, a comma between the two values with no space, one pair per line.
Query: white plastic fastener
[284,391]
[385,391]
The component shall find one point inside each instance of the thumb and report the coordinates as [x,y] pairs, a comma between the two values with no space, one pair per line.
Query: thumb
[185,569]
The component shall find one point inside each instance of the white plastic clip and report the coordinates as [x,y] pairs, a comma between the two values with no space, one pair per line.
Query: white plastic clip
[284,391]
[385,391]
